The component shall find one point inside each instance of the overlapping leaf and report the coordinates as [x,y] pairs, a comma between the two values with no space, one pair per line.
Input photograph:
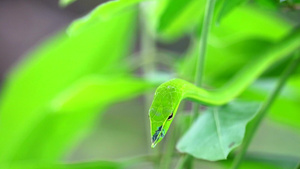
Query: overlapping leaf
[49,71]
[218,130]
[235,44]
[74,111]
[101,13]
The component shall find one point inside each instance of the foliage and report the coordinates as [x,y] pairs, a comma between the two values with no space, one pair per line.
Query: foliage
[218,131]
[52,98]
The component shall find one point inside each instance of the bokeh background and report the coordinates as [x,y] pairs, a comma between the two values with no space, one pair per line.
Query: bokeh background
[121,131]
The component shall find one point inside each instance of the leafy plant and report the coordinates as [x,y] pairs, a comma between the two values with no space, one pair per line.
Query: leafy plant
[231,68]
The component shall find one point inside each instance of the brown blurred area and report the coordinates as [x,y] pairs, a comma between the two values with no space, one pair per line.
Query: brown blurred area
[24,23]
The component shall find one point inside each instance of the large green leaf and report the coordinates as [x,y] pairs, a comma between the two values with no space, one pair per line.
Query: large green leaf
[264,161]
[177,16]
[100,13]
[73,112]
[86,165]
[238,43]
[258,25]
[267,4]
[218,130]
[55,66]
[237,55]
[228,6]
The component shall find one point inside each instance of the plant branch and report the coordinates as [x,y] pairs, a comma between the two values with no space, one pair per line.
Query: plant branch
[148,49]
[298,166]
[210,4]
[166,159]
[209,10]
[182,161]
[263,111]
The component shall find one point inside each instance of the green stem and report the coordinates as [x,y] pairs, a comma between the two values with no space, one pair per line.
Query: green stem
[209,10]
[298,166]
[148,49]
[210,4]
[182,161]
[263,111]
[166,160]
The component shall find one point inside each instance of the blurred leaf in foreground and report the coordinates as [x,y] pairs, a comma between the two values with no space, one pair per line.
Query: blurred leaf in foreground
[177,16]
[87,165]
[218,130]
[227,7]
[264,161]
[54,67]
[64,3]
[73,112]
[237,43]
[101,13]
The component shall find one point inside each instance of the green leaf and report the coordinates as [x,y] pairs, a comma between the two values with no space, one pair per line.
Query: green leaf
[267,4]
[239,44]
[228,6]
[218,130]
[238,54]
[285,109]
[93,91]
[101,164]
[64,3]
[264,161]
[101,13]
[175,18]
[178,16]
[258,25]
[73,111]
[86,165]
[52,68]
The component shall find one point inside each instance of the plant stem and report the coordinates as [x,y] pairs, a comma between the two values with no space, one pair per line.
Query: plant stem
[166,160]
[169,151]
[210,4]
[209,10]
[148,50]
[263,111]
[182,161]
[298,166]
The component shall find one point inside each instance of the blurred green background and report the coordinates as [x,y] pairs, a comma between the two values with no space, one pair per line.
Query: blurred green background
[39,92]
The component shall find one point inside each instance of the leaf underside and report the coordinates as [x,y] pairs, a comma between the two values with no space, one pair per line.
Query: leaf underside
[218,130]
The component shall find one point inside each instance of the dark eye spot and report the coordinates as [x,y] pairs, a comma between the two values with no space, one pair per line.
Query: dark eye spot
[170,117]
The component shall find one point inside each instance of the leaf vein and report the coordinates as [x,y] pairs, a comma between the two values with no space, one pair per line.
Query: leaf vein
[218,127]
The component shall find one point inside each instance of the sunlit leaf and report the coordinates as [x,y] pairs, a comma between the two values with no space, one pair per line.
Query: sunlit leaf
[101,13]
[86,165]
[52,68]
[73,112]
[267,4]
[264,161]
[64,3]
[239,44]
[177,17]
[227,7]
[218,130]
[238,54]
